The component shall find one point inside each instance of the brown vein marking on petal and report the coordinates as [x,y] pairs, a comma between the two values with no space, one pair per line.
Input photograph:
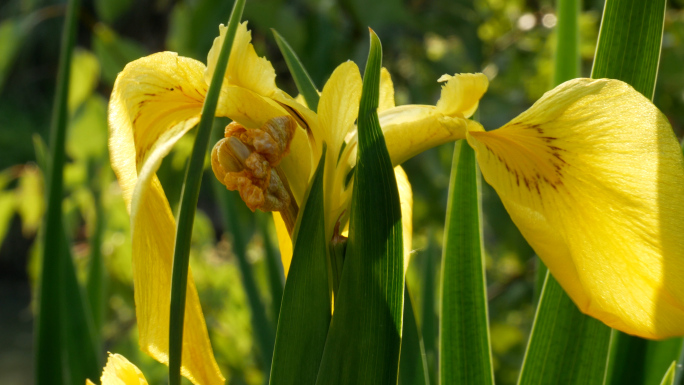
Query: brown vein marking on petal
[300,120]
[245,159]
[532,158]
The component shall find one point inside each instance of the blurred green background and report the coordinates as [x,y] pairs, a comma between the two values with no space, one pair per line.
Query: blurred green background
[510,41]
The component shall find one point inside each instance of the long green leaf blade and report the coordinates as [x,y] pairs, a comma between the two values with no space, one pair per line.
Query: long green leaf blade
[465,354]
[49,345]
[413,369]
[188,201]
[629,50]
[79,333]
[301,77]
[365,333]
[565,346]
[629,43]
[306,309]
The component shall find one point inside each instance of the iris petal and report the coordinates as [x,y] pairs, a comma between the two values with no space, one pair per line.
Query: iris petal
[120,371]
[155,101]
[593,176]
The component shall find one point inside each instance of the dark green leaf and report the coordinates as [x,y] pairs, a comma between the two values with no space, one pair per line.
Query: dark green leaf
[629,43]
[566,346]
[637,361]
[189,196]
[49,341]
[413,368]
[465,354]
[301,77]
[306,307]
[365,333]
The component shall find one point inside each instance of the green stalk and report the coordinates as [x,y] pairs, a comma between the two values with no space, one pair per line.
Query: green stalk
[188,201]
[49,348]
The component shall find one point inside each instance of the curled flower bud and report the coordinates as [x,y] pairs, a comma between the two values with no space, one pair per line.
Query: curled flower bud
[246,158]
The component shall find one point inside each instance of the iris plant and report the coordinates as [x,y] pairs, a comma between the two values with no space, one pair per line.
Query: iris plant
[591,174]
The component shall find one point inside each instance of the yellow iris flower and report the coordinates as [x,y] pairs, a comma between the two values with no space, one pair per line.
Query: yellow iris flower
[593,177]
[591,174]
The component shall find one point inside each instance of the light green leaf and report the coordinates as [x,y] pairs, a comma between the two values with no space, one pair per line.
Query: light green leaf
[465,353]
[85,75]
[87,136]
[669,377]
[365,333]
[305,310]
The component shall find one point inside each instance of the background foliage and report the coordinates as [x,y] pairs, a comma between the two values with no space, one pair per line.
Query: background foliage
[510,41]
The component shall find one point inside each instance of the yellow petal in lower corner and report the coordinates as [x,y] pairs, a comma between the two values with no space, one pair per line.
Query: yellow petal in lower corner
[120,371]
[593,176]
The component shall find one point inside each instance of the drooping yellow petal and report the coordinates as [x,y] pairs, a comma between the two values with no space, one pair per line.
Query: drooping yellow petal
[120,371]
[155,101]
[406,200]
[462,93]
[593,176]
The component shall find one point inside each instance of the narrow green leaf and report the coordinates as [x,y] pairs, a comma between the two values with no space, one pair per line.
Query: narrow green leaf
[566,346]
[413,369]
[430,321]
[669,378]
[188,201]
[365,333]
[465,354]
[629,50]
[49,344]
[629,43]
[306,307]
[301,77]
[97,277]
[78,329]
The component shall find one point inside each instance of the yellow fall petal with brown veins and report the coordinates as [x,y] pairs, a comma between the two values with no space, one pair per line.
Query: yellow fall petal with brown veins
[120,371]
[155,101]
[593,177]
